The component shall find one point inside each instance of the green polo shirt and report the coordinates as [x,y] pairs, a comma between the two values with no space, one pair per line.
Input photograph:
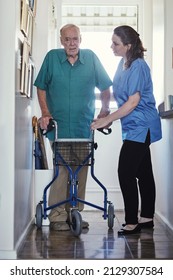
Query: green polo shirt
[70,90]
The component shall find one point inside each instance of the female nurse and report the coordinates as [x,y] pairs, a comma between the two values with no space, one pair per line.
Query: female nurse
[141,126]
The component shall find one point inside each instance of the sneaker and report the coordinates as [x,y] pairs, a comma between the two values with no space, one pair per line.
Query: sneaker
[59,226]
[85,224]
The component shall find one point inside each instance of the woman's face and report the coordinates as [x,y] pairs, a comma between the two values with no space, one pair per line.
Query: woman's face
[119,49]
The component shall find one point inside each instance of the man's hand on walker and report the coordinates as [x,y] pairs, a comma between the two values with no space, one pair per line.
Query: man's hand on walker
[44,121]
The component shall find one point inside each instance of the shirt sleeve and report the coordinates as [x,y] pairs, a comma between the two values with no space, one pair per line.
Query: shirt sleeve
[42,77]
[139,77]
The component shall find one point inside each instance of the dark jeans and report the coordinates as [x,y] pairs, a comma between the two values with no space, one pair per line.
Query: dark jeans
[135,171]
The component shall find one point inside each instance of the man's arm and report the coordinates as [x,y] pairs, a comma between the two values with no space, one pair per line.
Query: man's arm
[44,120]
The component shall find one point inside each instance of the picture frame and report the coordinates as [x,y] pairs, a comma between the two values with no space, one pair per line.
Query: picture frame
[32,5]
[30,80]
[26,71]
[29,30]
[24,68]
[24,16]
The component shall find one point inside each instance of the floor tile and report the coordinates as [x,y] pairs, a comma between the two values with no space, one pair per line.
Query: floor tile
[98,242]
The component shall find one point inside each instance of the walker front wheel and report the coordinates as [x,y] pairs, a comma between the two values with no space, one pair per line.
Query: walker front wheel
[111,216]
[76,222]
[39,215]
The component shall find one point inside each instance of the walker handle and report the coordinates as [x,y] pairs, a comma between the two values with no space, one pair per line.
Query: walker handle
[50,127]
[105,131]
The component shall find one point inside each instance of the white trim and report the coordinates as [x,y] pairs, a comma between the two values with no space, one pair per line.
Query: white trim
[95,195]
[23,236]
[8,254]
[163,220]
[12,254]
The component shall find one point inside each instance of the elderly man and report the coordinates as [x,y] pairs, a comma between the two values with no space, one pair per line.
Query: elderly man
[66,86]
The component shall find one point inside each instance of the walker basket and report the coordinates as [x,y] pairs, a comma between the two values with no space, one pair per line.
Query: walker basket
[73,152]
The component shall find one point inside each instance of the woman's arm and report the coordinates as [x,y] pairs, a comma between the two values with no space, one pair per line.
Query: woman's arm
[123,111]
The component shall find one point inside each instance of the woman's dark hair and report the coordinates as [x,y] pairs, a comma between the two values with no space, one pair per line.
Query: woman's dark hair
[129,36]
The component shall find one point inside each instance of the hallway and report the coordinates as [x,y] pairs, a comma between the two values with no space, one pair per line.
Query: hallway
[98,242]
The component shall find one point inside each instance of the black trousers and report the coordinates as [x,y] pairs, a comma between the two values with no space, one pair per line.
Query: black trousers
[136,178]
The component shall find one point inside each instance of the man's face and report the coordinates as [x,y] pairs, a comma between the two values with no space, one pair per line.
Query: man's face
[71,39]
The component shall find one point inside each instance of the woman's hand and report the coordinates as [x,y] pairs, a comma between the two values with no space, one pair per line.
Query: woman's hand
[123,111]
[100,123]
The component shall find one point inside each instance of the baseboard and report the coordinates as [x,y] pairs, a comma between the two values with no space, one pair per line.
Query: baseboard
[164,222]
[8,255]
[12,254]
[96,196]
[23,236]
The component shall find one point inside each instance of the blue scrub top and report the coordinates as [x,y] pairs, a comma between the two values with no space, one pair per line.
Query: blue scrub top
[144,117]
[70,90]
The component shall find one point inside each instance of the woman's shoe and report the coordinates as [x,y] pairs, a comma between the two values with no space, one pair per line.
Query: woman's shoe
[149,224]
[122,231]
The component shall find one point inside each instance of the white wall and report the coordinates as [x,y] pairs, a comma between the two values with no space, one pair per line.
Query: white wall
[16,163]
[163,169]
[7,109]
[168,52]
[16,193]
[105,168]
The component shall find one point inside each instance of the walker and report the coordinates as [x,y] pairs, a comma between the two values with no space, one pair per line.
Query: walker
[84,147]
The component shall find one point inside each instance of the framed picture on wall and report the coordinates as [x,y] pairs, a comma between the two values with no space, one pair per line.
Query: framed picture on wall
[26,71]
[29,30]
[32,5]
[24,16]
[24,68]
[31,69]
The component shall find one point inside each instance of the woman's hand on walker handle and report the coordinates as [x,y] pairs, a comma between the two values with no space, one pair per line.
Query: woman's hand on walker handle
[100,123]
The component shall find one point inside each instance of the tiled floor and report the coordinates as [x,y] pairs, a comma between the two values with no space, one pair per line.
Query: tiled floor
[98,242]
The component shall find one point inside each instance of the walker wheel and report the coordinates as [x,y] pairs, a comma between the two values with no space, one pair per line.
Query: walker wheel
[111,216]
[76,222]
[39,215]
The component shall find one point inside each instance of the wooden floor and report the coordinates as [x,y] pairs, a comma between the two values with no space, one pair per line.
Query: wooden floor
[98,242]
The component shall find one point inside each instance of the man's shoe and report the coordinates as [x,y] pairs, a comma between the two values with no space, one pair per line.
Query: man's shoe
[122,231]
[149,224]
[85,224]
[59,226]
